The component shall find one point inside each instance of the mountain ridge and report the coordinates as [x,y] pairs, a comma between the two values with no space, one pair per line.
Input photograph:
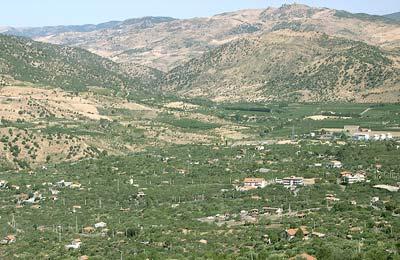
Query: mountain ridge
[32,32]
[170,42]
[252,54]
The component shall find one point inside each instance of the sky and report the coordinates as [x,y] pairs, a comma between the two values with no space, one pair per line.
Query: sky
[31,13]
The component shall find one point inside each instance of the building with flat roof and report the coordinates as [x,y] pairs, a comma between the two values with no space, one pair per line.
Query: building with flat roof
[349,178]
[293,181]
[254,183]
[335,164]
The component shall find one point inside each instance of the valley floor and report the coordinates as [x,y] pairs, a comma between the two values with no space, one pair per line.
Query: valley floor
[154,178]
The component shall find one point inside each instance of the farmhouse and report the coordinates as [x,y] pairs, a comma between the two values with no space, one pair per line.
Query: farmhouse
[76,244]
[260,148]
[335,164]
[140,194]
[293,181]
[331,197]
[270,211]
[254,182]
[361,137]
[264,170]
[291,233]
[349,178]
[3,184]
[100,225]
[8,240]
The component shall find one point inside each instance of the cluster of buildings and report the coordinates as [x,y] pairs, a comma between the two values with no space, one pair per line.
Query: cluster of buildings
[259,183]
[364,134]
[245,216]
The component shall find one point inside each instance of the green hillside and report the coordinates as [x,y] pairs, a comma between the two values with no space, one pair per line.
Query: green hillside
[285,65]
[61,66]
[394,16]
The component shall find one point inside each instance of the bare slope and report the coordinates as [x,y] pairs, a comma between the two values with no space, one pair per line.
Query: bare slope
[164,43]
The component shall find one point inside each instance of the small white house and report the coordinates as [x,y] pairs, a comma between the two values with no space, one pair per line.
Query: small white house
[100,225]
[76,244]
[361,137]
[260,148]
[335,164]
[3,184]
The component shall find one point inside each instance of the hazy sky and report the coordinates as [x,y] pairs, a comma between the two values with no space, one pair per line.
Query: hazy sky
[57,12]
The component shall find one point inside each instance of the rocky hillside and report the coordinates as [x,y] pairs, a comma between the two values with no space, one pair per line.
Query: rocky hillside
[164,43]
[289,65]
[65,67]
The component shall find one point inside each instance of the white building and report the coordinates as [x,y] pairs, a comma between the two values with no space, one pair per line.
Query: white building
[349,178]
[260,148]
[361,137]
[335,164]
[293,181]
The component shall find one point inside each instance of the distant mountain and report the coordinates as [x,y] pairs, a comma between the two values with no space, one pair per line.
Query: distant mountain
[164,43]
[288,65]
[294,52]
[65,67]
[35,32]
[394,16]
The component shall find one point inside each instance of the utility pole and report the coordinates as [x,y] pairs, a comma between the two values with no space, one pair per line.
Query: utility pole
[293,133]
[76,223]
[13,223]
[59,233]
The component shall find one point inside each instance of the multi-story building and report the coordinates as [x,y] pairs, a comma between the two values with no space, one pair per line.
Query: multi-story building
[293,181]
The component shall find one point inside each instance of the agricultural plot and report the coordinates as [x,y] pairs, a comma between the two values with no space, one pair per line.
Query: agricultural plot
[151,203]
[161,178]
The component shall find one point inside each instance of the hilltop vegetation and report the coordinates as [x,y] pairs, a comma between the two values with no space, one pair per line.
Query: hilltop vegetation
[61,66]
[287,65]
[394,16]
